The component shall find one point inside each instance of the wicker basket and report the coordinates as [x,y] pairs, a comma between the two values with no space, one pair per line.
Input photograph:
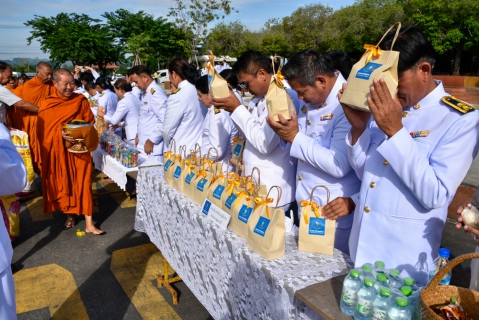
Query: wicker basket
[434,295]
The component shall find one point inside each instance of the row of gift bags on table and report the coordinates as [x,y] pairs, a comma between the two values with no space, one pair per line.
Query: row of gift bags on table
[254,211]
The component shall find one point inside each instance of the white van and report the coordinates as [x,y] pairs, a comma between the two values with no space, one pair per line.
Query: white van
[162,76]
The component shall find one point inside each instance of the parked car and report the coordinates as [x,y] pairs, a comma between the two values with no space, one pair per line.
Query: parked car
[162,76]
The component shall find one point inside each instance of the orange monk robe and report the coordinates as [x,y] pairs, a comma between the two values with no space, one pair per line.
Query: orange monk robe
[9,87]
[11,111]
[34,91]
[66,176]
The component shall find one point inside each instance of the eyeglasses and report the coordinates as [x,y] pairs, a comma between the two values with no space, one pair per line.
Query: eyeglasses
[245,85]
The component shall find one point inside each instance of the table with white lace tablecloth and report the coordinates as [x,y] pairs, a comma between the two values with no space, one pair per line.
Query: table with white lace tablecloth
[230,280]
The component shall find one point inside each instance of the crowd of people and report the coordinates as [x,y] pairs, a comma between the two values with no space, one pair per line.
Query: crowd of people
[392,172]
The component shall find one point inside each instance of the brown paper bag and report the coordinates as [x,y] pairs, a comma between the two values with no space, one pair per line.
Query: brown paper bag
[266,230]
[217,85]
[192,167]
[170,159]
[218,193]
[233,186]
[262,191]
[374,64]
[180,169]
[316,234]
[237,150]
[278,100]
[204,179]
[212,165]
[242,207]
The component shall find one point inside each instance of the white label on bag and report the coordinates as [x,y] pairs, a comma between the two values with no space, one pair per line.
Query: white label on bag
[365,307]
[350,296]
[261,226]
[177,172]
[365,72]
[218,191]
[317,226]
[216,215]
[379,314]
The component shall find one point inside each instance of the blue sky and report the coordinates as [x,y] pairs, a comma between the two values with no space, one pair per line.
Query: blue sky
[13,14]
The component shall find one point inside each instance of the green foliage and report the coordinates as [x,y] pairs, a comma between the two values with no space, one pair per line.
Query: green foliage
[231,39]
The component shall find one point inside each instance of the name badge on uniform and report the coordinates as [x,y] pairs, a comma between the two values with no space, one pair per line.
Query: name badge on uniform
[326,117]
[218,191]
[261,226]
[419,134]
[245,213]
[317,226]
[230,200]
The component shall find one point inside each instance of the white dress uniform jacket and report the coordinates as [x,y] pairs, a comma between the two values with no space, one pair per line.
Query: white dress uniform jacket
[108,100]
[263,149]
[152,117]
[136,92]
[184,118]
[408,182]
[218,132]
[128,108]
[323,158]
[7,98]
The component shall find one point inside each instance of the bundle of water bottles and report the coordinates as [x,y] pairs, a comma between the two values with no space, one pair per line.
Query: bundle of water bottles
[379,294]
[123,151]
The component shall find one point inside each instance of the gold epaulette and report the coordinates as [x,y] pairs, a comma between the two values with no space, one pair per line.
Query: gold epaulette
[152,90]
[459,105]
[175,91]
[217,111]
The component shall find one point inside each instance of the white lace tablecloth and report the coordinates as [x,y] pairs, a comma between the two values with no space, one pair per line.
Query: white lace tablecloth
[230,280]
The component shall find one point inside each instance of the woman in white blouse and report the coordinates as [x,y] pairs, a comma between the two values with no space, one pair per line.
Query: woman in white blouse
[218,128]
[127,109]
[108,99]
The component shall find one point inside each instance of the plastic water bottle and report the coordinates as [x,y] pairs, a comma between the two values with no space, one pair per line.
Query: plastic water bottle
[412,301]
[440,262]
[379,267]
[381,281]
[394,279]
[349,297]
[367,271]
[410,282]
[400,310]
[366,296]
[381,304]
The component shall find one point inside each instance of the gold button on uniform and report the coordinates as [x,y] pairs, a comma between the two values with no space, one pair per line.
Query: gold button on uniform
[405,114]
[385,162]
[300,178]
[367,209]
[372,184]
[309,122]
[417,106]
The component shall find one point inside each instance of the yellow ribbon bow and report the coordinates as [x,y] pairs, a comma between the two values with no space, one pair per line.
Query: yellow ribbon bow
[314,206]
[259,202]
[280,78]
[235,139]
[178,157]
[201,173]
[240,195]
[189,166]
[371,50]
[218,177]
[232,183]
[168,155]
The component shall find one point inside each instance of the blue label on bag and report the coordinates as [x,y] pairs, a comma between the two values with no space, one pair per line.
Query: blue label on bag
[218,191]
[167,164]
[317,226]
[261,226]
[244,213]
[206,207]
[189,177]
[237,149]
[230,200]
[177,172]
[365,72]
[201,184]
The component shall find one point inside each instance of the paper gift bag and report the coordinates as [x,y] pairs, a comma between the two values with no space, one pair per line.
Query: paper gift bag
[262,191]
[192,167]
[278,100]
[180,168]
[170,160]
[237,149]
[212,165]
[202,181]
[219,189]
[266,230]
[217,85]
[316,234]
[22,144]
[233,186]
[374,64]
[242,207]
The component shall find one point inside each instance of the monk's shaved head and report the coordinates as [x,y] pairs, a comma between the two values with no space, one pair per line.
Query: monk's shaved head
[63,82]
[44,72]
[43,64]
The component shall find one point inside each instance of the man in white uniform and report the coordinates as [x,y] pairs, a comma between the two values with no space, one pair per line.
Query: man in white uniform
[152,114]
[263,149]
[316,137]
[411,157]
[7,98]
[12,170]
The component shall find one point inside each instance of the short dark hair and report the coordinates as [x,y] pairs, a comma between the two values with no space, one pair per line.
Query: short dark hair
[413,48]
[342,62]
[104,83]
[87,77]
[77,83]
[304,66]
[90,85]
[251,61]
[123,85]
[184,70]
[202,84]
[4,66]
[139,70]
[230,76]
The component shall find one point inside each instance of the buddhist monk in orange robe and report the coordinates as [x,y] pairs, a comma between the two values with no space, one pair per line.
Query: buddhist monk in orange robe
[66,176]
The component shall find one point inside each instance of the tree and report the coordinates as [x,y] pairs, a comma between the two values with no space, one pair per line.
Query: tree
[449,25]
[193,17]
[231,39]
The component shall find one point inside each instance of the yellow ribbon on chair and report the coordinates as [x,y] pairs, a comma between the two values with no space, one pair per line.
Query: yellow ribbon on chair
[371,50]
[314,206]
[280,78]
[259,202]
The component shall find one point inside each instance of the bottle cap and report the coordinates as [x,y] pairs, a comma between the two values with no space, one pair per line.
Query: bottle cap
[385,292]
[409,281]
[394,272]
[381,277]
[367,268]
[402,302]
[444,253]
[379,265]
[354,273]
[368,282]
[407,291]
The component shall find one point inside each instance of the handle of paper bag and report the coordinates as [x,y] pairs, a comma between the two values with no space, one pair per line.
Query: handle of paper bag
[196,151]
[259,176]
[395,36]
[279,194]
[183,148]
[253,182]
[173,142]
[327,194]
[208,155]
[280,63]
